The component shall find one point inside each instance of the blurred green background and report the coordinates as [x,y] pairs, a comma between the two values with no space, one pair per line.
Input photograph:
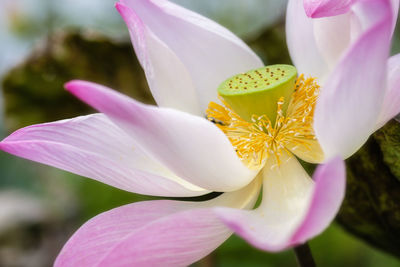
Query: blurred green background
[45,43]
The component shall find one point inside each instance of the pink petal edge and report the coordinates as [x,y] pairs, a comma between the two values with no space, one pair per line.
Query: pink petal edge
[92,146]
[326,8]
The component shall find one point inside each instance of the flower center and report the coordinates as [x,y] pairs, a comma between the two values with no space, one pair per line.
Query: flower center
[257,139]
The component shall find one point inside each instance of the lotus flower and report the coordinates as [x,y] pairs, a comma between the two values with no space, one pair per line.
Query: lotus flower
[173,150]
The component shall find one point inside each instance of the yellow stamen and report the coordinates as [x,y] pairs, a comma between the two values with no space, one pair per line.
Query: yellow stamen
[256,141]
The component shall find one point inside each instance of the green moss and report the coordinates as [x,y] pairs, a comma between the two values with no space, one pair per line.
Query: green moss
[389,141]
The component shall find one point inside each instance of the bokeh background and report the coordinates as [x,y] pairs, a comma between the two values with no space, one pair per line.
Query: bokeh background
[43,44]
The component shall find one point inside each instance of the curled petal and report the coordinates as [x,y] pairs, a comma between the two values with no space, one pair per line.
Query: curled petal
[92,146]
[190,146]
[316,45]
[335,34]
[346,111]
[294,208]
[154,233]
[328,194]
[185,55]
[369,13]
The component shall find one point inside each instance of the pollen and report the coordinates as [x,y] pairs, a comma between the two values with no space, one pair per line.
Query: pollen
[256,140]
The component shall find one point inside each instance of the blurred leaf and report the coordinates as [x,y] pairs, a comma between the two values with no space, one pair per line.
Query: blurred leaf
[335,247]
[396,40]
[96,197]
[371,209]
[34,92]
[271,46]
[388,139]
[17,173]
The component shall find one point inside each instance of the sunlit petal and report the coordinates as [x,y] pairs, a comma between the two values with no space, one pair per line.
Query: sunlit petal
[185,55]
[190,146]
[92,146]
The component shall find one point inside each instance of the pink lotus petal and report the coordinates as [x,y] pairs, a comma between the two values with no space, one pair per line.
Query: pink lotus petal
[391,104]
[190,146]
[169,80]
[368,12]
[327,8]
[293,208]
[346,112]
[335,34]
[372,12]
[92,146]
[185,55]
[329,191]
[177,240]
[301,42]
[153,233]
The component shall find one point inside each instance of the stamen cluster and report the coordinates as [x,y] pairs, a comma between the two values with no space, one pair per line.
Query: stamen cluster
[255,141]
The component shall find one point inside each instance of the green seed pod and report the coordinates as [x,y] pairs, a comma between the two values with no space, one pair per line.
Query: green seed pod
[257,92]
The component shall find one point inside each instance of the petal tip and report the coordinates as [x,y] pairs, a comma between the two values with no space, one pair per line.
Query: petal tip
[328,8]
[312,9]
[73,85]
[126,12]
[2,146]
[120,7]
[310,12]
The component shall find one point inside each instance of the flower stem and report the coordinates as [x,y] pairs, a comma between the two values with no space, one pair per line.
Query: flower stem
[304,256]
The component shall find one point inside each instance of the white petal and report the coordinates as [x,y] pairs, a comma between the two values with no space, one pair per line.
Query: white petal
[332,36]
[185,55]
[301,42]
